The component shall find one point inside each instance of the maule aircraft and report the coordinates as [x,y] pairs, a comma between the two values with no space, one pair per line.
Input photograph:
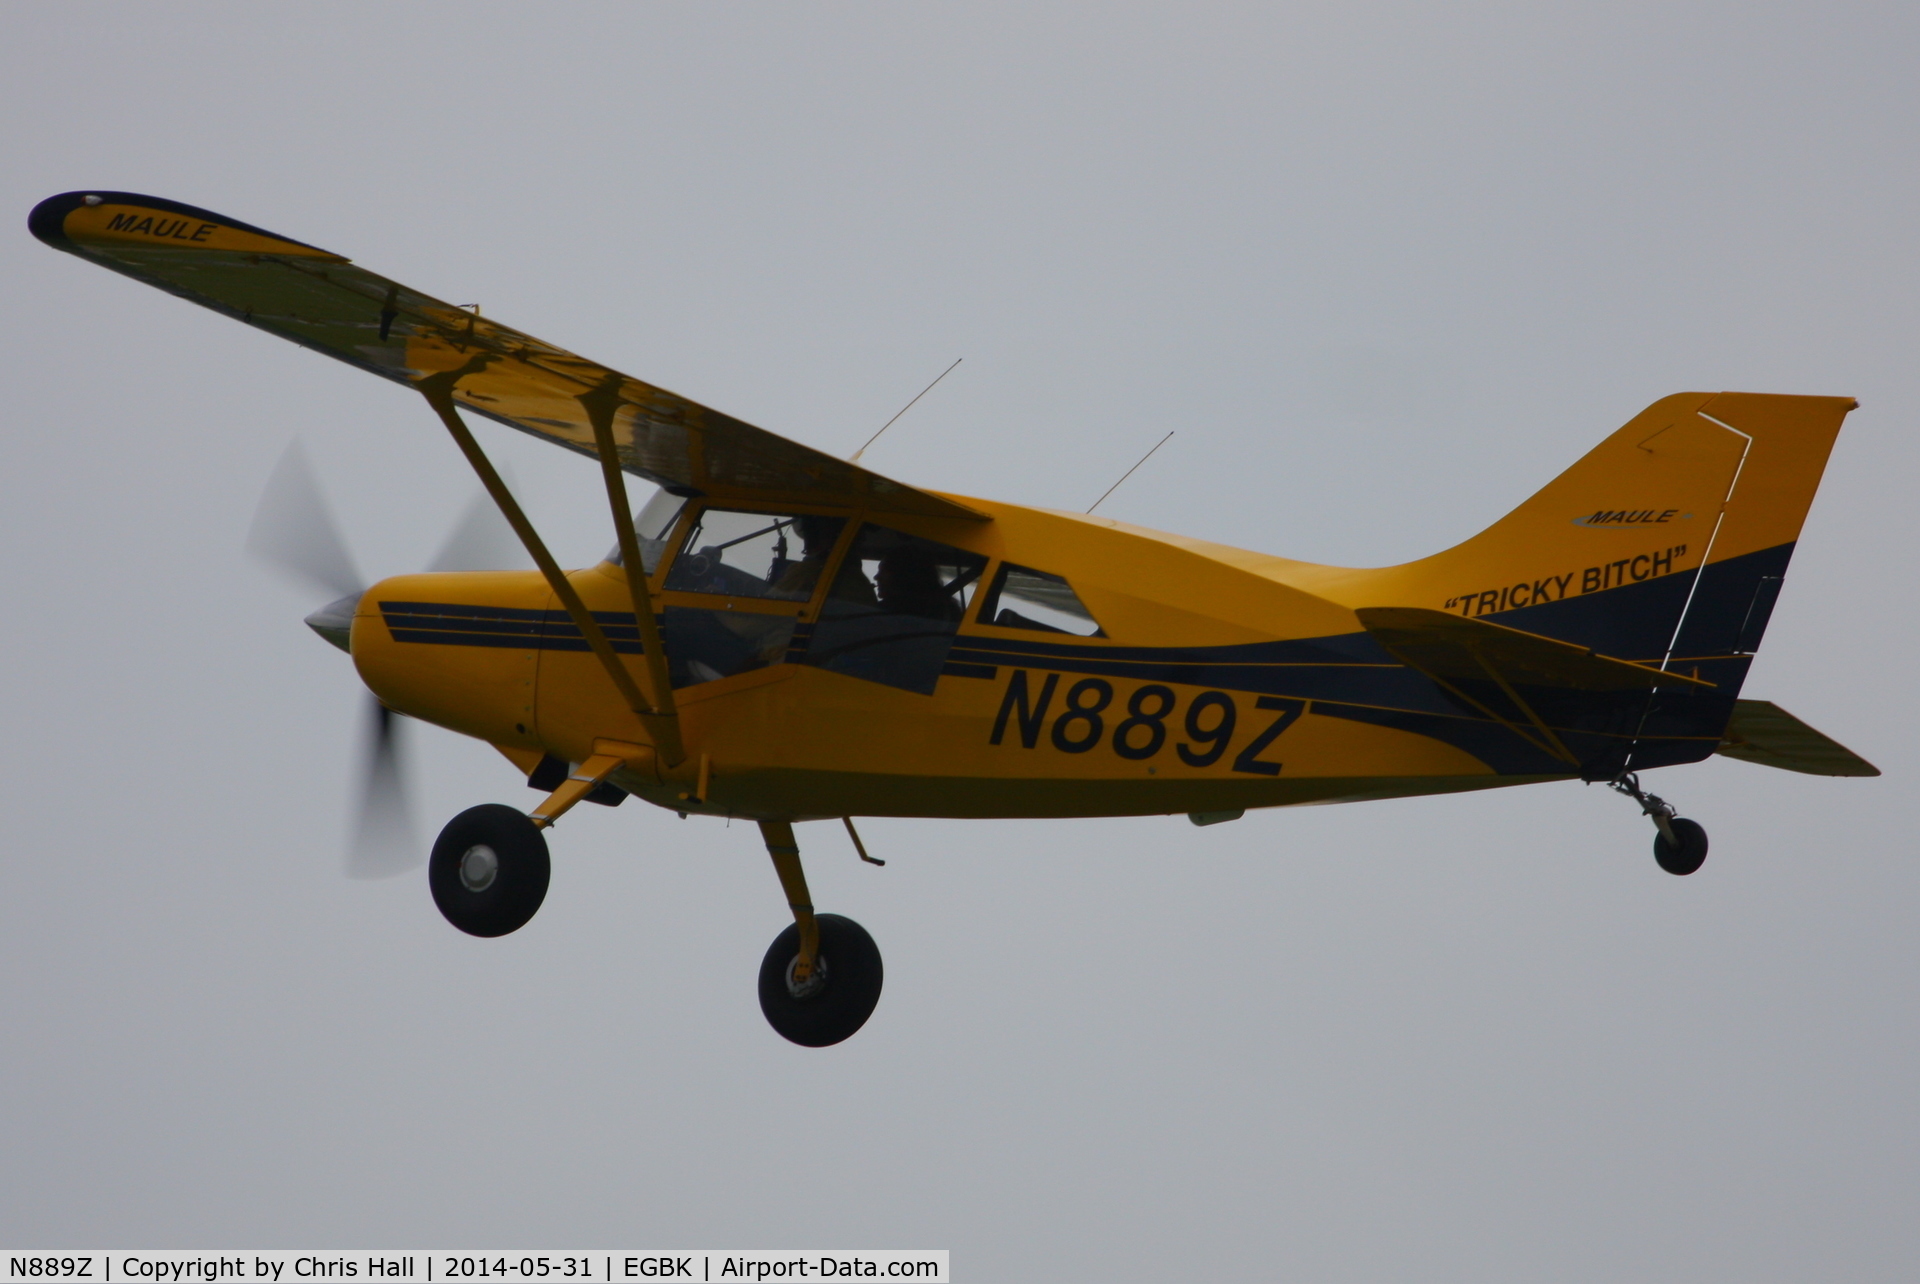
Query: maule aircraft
[781,635]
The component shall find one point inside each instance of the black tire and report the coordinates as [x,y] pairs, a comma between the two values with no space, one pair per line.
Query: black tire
[1692,853]
[844,999]
[483,901]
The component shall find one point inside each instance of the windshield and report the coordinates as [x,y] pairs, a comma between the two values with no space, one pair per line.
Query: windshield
[653,523]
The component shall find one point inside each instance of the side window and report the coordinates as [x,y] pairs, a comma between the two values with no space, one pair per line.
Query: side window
[775,557]
[893,609]
[1023,598]
[653,523]
[765,555]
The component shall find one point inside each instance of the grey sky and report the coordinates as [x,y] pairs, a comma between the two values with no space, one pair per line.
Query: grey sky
[1385,269]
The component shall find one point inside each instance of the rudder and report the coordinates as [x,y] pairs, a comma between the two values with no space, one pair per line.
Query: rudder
[1787,441]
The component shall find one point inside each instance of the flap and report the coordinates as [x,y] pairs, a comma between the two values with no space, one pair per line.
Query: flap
[1456,649]
[1761,731]
[322,301]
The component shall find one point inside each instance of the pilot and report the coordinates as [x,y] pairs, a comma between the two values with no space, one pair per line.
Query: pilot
[795,579]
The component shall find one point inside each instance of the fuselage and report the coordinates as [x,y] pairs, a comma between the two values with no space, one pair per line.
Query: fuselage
[1193,678]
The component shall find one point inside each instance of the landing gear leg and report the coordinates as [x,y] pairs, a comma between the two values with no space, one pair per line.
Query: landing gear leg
[1681,847]
[821,977]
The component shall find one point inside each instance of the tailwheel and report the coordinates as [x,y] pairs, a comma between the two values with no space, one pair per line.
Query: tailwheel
[836,997]
[1686,851]
[489,870]
[1681,845]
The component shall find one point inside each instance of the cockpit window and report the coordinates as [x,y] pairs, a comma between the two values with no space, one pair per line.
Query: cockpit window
[766,555]
[653,523]
[894,608]
[1023,598]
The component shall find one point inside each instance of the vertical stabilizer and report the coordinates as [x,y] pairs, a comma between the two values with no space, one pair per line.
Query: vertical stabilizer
[1666,545]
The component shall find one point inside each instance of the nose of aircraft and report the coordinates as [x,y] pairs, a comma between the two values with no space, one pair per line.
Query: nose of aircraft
[294,530]
[334,621]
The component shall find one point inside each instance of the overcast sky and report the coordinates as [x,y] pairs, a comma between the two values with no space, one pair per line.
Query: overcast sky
[1385,270]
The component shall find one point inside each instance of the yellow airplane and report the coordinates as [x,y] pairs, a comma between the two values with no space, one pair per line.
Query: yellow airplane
[811,640]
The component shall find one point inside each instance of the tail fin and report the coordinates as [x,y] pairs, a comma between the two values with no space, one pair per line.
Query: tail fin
[1667,540]
[1666,545]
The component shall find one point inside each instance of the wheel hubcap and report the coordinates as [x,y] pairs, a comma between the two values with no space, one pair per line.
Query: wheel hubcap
[478,868]
[816,980]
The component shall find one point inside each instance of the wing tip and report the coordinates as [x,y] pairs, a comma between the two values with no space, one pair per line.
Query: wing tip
[47,220]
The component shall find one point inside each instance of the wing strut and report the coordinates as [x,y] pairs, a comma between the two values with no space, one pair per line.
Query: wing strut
[601,405]
[438,390]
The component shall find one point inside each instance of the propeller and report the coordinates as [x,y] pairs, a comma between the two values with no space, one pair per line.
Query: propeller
[384,843]
[294,531]
[481,540]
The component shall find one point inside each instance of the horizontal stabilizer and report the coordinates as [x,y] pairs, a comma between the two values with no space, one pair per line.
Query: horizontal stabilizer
[1455,649]
[1763,732]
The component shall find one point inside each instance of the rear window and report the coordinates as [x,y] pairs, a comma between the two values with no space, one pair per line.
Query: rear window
[1023,598]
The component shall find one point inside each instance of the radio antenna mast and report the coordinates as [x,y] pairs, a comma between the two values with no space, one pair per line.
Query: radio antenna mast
[1131,471]
[854,458]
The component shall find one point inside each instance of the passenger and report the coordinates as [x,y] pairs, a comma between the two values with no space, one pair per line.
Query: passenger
[851,586]
[909,584]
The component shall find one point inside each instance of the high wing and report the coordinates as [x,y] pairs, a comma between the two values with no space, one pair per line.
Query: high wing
[324,302]
[1763,732]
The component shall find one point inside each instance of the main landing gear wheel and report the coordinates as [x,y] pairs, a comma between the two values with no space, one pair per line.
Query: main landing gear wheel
[834,1002]
[489,870]
[1686,856]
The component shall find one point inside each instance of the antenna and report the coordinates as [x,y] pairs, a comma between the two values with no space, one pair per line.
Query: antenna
[1131,471]
[854,458]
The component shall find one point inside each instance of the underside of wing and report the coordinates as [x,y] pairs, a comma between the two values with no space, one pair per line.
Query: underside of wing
[1763,732]
[324,302]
